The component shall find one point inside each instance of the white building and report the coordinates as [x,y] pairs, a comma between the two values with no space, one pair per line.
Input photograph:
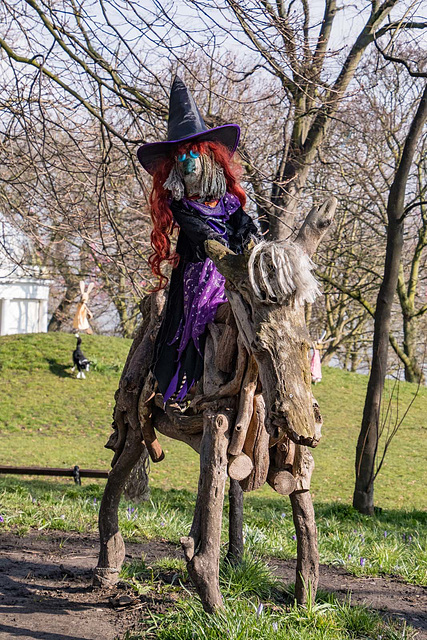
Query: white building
[23,301]
[24,290]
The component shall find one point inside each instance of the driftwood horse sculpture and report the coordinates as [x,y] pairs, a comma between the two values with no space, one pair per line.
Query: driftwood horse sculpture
[253,414]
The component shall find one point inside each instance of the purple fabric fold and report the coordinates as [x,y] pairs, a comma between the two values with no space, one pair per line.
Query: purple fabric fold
[224,209]
[172,385]
[203,292]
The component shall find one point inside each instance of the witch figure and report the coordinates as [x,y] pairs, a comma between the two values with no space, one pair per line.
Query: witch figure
[196,189]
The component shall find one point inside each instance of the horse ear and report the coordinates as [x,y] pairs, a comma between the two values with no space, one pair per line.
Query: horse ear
[315,226]
[90,287]
[82,286]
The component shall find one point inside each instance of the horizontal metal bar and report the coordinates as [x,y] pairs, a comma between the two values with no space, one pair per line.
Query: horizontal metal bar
[54,471]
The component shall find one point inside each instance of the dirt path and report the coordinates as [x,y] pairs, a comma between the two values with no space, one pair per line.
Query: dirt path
[46,594]
[392,597]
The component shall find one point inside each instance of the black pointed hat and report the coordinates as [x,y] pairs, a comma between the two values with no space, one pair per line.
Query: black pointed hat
[185,123]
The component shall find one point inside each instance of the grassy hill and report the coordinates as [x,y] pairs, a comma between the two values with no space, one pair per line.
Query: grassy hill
[48,417]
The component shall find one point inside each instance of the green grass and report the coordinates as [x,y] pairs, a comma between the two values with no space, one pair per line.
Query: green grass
[40,402]
[51,352]
[391,543]
[47,417]
[402,479]
[246,619]
[256,605]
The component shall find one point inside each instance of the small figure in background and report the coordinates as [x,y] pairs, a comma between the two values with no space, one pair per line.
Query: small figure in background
[79,359]
[316,363]
[316,366]
[81,322]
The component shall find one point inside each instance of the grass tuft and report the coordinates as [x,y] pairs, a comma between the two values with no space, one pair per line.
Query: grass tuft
[251,577]
[248,619]
[346,538]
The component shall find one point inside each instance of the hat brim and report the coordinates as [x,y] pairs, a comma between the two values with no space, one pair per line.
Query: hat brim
[152,154]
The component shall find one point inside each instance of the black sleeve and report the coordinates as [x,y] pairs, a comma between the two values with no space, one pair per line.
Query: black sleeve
[241,228]
[196,231]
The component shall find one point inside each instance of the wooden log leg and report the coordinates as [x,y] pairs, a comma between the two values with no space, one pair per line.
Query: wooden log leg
[235,523]
[280,476]
[307,575]
[202,546]
[112,547]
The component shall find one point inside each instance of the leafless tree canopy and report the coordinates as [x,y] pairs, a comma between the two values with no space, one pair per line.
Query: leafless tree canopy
[84,83]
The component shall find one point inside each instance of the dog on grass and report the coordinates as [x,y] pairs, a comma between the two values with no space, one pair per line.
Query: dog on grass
[81,363]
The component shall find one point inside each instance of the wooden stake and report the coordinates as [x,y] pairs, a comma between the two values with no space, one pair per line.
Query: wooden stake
[235,523]
[307,575]
[145,410]
[239,467]
[256,447]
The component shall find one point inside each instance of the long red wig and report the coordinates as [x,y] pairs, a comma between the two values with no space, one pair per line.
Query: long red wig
[161,214]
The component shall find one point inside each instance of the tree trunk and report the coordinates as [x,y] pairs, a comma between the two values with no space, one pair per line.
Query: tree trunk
[128,322]
[287,199]
[202,546]
[62,311]
[363,497]
[413,371]
[112,548]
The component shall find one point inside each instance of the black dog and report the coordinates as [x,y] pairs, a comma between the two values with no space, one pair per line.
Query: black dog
[79,359]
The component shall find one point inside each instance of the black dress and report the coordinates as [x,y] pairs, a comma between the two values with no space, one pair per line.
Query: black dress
[175,369]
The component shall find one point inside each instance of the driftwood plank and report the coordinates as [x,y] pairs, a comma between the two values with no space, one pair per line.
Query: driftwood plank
[256,447]
[246,408]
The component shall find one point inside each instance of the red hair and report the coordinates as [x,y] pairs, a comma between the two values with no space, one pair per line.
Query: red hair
[161,214]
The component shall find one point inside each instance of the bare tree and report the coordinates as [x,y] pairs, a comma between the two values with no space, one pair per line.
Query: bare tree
[309,78]
[108,55]
[365,152]
[368,438]
[85,219]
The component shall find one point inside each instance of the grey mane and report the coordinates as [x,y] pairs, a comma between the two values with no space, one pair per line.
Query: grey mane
[280,269]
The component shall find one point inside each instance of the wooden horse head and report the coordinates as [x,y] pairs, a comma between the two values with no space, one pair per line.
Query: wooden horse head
[267,289]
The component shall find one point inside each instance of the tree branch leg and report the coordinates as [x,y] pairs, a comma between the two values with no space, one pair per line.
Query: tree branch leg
[307,575]
[202,546]
[112,547]
[235,522]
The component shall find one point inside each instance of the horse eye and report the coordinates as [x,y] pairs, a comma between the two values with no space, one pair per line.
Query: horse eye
[194,154]
[182,157]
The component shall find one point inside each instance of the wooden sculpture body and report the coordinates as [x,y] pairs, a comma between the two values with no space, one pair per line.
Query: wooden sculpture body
[252,418]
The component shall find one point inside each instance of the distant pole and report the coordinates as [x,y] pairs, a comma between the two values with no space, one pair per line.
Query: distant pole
[53,471]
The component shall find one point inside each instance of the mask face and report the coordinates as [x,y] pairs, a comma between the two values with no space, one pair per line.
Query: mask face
[190,168]
[195,175]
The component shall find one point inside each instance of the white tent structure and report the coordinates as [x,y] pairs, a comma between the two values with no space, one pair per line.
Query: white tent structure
[23,302]
[24,291]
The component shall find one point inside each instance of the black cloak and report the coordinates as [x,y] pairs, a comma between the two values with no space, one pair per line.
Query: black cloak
[194,230]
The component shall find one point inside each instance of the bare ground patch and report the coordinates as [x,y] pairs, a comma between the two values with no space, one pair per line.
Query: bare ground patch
[46,593]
